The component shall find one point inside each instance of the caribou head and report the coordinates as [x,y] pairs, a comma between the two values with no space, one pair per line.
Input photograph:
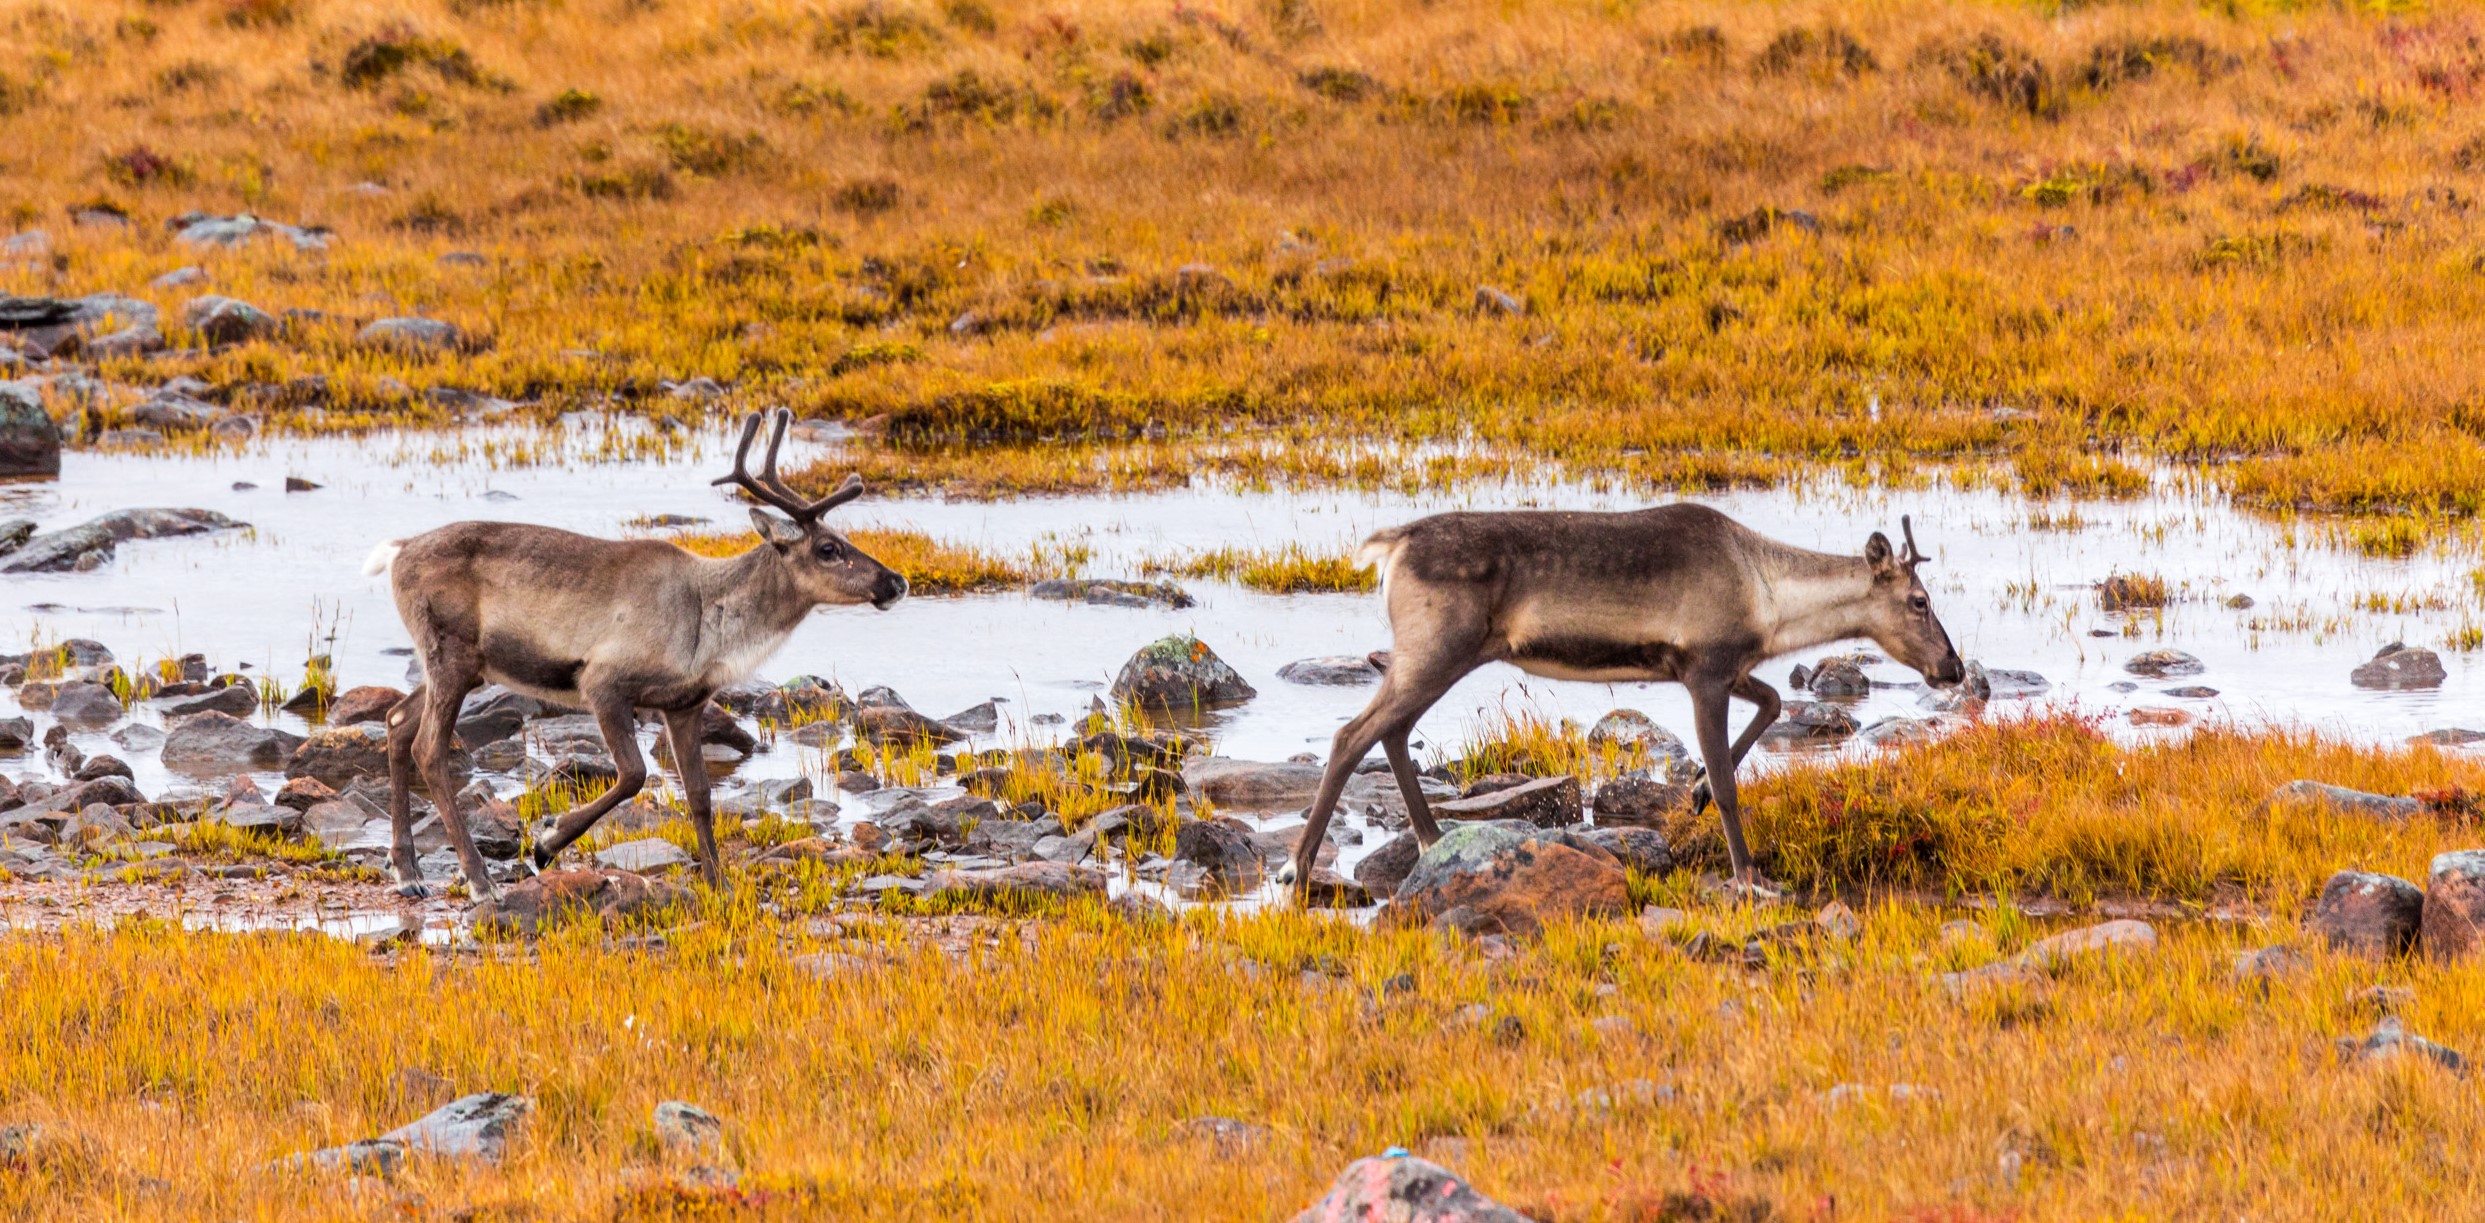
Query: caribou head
[1899,614]
[823,564]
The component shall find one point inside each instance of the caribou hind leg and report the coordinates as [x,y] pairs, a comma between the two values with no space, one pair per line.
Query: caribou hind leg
[1708,706]
[681,727]
[405,725]
[1416,678]
[450,673]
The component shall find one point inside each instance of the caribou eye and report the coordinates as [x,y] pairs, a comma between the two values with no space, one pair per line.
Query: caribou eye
[827,550]
[1920,603]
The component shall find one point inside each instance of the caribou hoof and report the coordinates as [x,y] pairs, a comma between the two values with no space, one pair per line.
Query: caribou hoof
[1700,797]
[414,891]
[1287,875]
[532,869]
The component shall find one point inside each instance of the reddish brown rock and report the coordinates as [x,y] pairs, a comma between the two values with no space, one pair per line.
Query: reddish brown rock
[1546,802]
[609,895]
[2375,915]
[1509,877]
[2454,912]
[370,703]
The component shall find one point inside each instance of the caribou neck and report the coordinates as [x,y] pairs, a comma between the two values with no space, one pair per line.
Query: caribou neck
[1810,598]
[747,603]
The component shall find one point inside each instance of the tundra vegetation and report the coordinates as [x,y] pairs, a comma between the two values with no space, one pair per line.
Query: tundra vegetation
[1002,249]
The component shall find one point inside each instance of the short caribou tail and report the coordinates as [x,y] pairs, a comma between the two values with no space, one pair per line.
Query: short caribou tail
[1380,550]
[382,557]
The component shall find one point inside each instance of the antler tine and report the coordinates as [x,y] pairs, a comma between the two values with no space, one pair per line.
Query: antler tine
[1907,527]
[741,473]
[778,421]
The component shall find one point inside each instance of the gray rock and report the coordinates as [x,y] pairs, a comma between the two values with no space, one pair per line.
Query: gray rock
[2389,1040]
[2378,806]
[2369,914]
[2450,736]
[643,856]
[687,1129]
[2400,669]
[1546,802]
[1491,300]
[202,230]
[1005,885]
[226,320]
[216,744]
[1638,800]
[492,713]
[239,700]
[2164,664]
[1334,670]
[1111,592]
[1802,722]
[1839,678]
[1251,785]
[1177,675]
[2003,684]
[410,335]
[1639,849]
[16,733]
[86,704]
[1629,728]
[179,278]
[1404,1189]
[470,1127]
[29,441]
[89,544]
[982,719]
[1381,871]
[1224,849]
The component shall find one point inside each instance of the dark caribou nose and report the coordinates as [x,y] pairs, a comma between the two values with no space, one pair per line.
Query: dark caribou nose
[1950,672]
[888,590]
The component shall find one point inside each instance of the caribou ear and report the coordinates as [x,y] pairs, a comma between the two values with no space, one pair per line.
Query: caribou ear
[1877,552]
[782,533]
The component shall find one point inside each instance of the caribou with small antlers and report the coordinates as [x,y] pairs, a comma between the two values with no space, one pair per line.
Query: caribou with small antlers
[1676,593]
[612,626]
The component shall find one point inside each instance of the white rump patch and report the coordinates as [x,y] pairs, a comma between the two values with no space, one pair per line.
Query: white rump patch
[382,557]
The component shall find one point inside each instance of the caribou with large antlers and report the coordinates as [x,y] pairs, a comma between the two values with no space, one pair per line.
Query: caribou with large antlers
[1677,593]
[612,626]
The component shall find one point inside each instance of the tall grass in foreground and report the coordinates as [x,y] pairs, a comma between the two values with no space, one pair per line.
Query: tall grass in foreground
[1044,1069]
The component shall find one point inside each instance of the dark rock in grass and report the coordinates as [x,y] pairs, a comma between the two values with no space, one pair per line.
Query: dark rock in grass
[1179,675]
[470,1127]
[1382,870]
[2390,1040]
[90,544]
[2454,912]
[410,335]
[609,895]
[1336,671]
[1222,847]
[2450,736]
[238,700]
[1326,889]
[86,704]
[171,412]
[217,743]
[369,703]
[982,719]
[99,767]
[338,755]
[1546,802]
[1404,1189]
[1007,885]
[2357,802]
[2400,668]
[1637,801]
[2260,968]
[2369,914]
[261,817]
[897,726]
[1639,849]
[2164,664]
[29,441]
[1511,876]
[225,320]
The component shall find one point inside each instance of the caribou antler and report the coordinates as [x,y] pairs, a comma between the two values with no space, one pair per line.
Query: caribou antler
[1915,556]
[767,486]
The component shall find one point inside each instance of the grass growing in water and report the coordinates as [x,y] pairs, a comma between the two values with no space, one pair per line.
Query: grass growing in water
[1291,569]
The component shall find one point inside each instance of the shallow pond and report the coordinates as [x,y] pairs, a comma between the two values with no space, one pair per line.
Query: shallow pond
[2012,595]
